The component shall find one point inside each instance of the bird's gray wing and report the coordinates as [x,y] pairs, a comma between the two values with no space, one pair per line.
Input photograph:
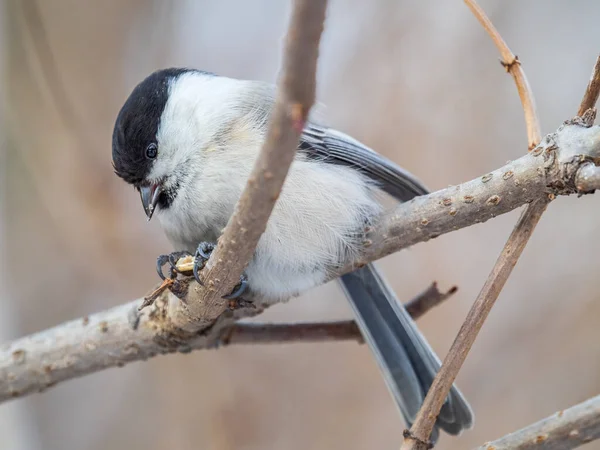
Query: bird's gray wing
[407,361]
[329,145]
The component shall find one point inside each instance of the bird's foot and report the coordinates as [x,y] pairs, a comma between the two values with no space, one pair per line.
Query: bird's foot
[201,257]
[170,259]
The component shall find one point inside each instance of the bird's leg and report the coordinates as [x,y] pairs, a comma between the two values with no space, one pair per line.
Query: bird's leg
[171,259]
[201,257]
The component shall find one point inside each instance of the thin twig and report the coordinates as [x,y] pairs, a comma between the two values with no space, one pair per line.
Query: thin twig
[155,293]
[590,98]
[588,176]
[244,333]
[277,333]
[513,66]
[459,350]
[566,429]
[295,97]
[428,299]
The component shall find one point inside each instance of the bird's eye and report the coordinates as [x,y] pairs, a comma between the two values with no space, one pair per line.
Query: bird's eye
[151,151]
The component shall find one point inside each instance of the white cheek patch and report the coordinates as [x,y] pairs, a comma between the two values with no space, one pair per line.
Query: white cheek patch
[198,107]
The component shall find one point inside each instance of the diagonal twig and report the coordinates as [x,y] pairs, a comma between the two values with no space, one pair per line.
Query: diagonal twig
[588,177]
[590,98]
[579,424]
[420,431]
[513,66]
[423,425]
[566,429]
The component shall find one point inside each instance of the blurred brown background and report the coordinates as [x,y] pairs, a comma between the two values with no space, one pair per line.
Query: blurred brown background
[418,81]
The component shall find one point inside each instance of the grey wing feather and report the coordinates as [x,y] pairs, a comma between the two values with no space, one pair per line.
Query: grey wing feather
[332,146]
[407,361]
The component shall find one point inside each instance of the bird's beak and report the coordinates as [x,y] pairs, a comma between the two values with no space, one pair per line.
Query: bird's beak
[149,195]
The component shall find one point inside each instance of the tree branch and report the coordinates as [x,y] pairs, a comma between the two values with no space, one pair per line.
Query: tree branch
[592,91]
[427,299]
[123,334]
[566,429]
[243,333]
[295,97]
[513,66]
[581,423]
[436,396]
[418,436]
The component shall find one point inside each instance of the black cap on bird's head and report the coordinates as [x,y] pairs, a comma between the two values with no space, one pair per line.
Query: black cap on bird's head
[134,142]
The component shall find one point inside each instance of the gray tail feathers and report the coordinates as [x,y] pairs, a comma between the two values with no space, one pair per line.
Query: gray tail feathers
[407,361]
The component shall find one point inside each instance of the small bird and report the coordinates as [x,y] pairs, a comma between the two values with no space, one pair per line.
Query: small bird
[187,140]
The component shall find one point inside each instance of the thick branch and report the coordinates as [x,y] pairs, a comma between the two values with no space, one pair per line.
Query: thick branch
[236,246]
[566,429]
[123,334]
[548,171]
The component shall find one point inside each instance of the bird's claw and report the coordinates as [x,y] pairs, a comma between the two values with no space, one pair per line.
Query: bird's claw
[201,256]
[172,259]
[239,288]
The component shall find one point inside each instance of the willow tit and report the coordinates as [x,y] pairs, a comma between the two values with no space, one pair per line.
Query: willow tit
[188,139]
